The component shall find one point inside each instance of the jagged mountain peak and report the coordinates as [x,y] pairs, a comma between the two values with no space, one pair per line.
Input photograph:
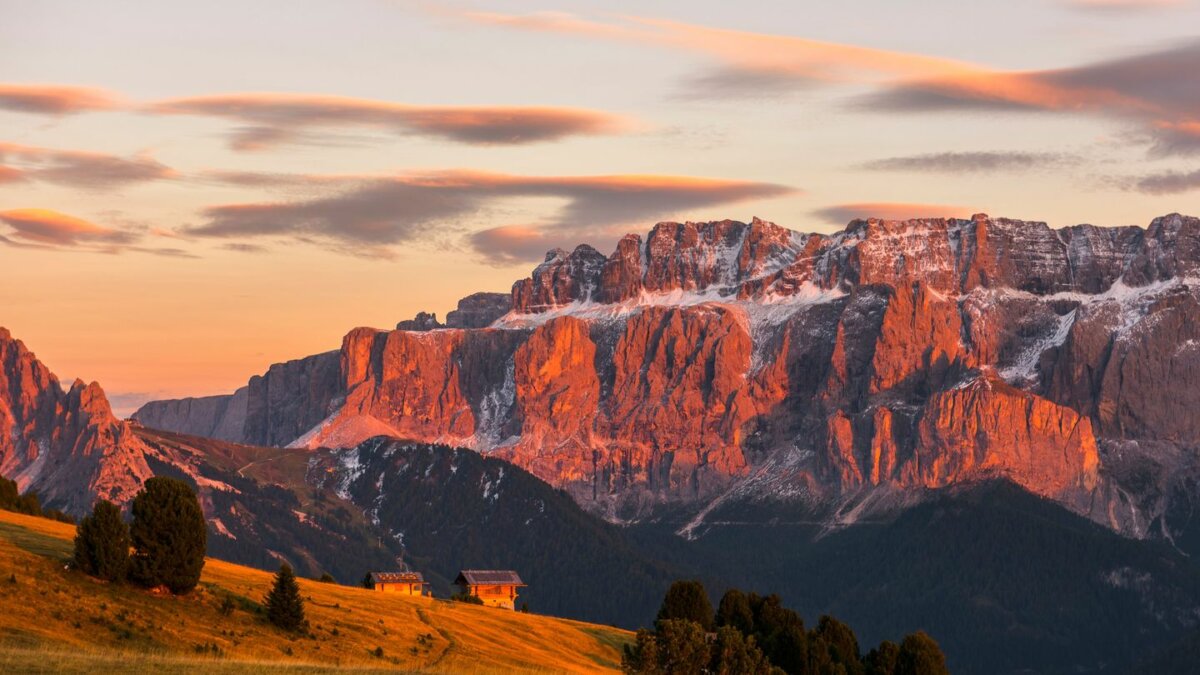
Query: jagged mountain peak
[65,444]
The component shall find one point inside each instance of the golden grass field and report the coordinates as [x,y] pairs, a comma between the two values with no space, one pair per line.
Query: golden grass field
[56,620]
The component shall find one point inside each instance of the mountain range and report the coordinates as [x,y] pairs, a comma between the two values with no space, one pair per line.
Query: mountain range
[720,362]
[958,425]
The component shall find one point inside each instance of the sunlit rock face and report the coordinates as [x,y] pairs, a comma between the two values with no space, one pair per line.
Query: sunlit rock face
[65,444]
[745,361]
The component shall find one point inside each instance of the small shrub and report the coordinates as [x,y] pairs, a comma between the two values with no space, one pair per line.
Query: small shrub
[467,598]
[378,652]
[327,578]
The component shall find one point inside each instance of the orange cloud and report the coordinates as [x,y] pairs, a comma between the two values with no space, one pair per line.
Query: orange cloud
[54,99]
[1158,90]
[48,229]
[81,169]
[45,226]
[274,118]
[9,174]
[511,244]
[840,214]
[757,52]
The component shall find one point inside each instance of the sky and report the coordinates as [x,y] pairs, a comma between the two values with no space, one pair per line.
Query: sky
[190,192]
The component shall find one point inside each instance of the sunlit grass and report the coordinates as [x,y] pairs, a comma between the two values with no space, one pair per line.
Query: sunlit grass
[72,623]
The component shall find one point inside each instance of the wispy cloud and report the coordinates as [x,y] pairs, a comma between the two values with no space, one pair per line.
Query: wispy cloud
[370,214]
[840,214]
[767,59]
[1165,183]
[513,244]
[1158,91]
[1124,5]
[52,228]
[77,168]
[49,99]
[972,162]
[270,119]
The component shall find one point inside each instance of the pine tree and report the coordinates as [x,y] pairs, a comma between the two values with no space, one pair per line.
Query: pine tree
[736,654]
[689,601]
[102,543]
[29,504]
[882,659]
[9,494]
[920,655]
[841,643]
[734,611]
[682,647]
[168,534]
[641,658]
[285,607]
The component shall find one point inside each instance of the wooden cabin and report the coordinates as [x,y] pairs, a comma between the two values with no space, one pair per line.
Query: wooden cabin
[405,583]
[496,588]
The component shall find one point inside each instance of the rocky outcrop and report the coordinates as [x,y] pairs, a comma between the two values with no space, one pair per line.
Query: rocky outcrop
[219,417]
[273,409]
[732,360]
[562,279]
[67,445]
[985,426]
[479,310]
[421,322]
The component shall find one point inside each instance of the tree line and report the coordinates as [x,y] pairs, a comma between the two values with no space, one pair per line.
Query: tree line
[11,499]
[164,545]
[756,635]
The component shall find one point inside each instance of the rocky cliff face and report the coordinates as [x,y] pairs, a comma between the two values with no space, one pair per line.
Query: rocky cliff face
[67,445]
[726,360]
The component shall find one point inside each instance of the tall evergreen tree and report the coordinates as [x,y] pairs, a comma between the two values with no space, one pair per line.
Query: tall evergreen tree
[689,601]
[842,644]
[882,659]
[735,654]
[9,494]
[168,534]
[683,648]
[29,504]
[102,543]
[920,655]
[734,611]
[641,657]
[285,607]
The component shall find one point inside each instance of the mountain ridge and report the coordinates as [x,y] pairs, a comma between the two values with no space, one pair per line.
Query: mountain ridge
[680,367]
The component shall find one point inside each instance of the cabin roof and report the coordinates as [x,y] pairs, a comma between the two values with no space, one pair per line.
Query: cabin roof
[489,578]
[397,577]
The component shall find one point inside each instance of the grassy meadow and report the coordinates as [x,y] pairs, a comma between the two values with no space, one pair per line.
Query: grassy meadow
[56,620]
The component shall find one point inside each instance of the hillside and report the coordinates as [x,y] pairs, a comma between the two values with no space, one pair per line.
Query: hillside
[1008,582]
[349,511]
[60,619]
